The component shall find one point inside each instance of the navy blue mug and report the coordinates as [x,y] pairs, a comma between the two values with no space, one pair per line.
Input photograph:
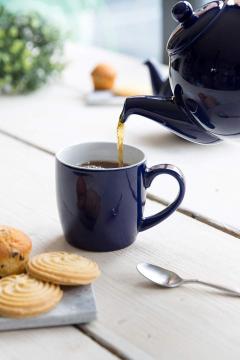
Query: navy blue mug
[101,209]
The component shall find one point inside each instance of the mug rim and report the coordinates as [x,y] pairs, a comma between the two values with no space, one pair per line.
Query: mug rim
[65,163]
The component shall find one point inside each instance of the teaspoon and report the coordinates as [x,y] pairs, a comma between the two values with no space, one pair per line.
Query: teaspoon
[169,279]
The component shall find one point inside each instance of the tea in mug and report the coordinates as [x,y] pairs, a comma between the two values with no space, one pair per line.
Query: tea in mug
[101,164]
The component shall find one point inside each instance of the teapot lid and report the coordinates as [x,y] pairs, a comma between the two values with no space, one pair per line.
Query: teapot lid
[192,24]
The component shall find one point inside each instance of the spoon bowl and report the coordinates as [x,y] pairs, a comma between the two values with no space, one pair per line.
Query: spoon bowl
[159,275]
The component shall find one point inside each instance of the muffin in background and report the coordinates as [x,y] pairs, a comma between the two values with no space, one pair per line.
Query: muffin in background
[103,76]
[15,248]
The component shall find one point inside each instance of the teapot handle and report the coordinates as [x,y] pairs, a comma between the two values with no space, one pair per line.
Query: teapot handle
[149,175]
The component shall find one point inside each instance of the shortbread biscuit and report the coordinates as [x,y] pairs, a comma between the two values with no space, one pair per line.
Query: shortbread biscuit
[63,268]
[15,248]
[23,296]
[129,90]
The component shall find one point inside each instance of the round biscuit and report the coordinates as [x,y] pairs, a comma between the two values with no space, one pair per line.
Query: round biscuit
[63,268]
[23,296]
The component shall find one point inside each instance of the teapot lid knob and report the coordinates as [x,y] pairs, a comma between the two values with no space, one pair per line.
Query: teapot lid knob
[182,11]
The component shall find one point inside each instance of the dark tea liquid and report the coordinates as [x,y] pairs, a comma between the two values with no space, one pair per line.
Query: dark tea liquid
[98,164]
[120,137]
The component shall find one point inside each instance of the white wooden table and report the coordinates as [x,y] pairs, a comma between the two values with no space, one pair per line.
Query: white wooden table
[135,320]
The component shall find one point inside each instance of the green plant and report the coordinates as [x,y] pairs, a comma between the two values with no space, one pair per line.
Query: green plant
[30,49]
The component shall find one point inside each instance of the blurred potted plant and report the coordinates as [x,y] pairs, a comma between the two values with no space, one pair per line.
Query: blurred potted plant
[30,49]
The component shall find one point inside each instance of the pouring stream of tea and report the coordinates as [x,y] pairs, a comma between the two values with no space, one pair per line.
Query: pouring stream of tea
[120,136]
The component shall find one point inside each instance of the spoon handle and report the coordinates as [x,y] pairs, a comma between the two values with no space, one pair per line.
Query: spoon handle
[218,287]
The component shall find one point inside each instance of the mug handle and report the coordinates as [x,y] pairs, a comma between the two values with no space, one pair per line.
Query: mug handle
[149,175]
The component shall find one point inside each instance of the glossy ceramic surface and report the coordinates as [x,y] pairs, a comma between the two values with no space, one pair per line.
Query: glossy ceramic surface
[102,209]
[204,75]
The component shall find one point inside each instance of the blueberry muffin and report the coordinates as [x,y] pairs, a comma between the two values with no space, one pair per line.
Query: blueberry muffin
[103,77]
[15,248]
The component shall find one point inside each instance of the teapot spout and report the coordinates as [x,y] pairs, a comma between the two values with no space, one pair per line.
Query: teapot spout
[168,113]
[159,85]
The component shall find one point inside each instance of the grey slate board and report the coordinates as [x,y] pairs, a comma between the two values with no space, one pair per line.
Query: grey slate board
[76,307]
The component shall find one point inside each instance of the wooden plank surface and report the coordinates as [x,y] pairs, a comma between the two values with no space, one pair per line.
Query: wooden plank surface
[56,116]
[55,343]
[185,323]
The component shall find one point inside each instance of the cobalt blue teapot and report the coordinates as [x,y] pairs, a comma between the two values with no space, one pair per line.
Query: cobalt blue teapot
[201,99]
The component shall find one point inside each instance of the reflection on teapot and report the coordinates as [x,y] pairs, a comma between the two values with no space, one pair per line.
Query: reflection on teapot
[201,99]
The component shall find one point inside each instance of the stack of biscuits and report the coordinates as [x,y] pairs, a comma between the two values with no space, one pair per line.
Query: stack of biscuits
[37,291]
